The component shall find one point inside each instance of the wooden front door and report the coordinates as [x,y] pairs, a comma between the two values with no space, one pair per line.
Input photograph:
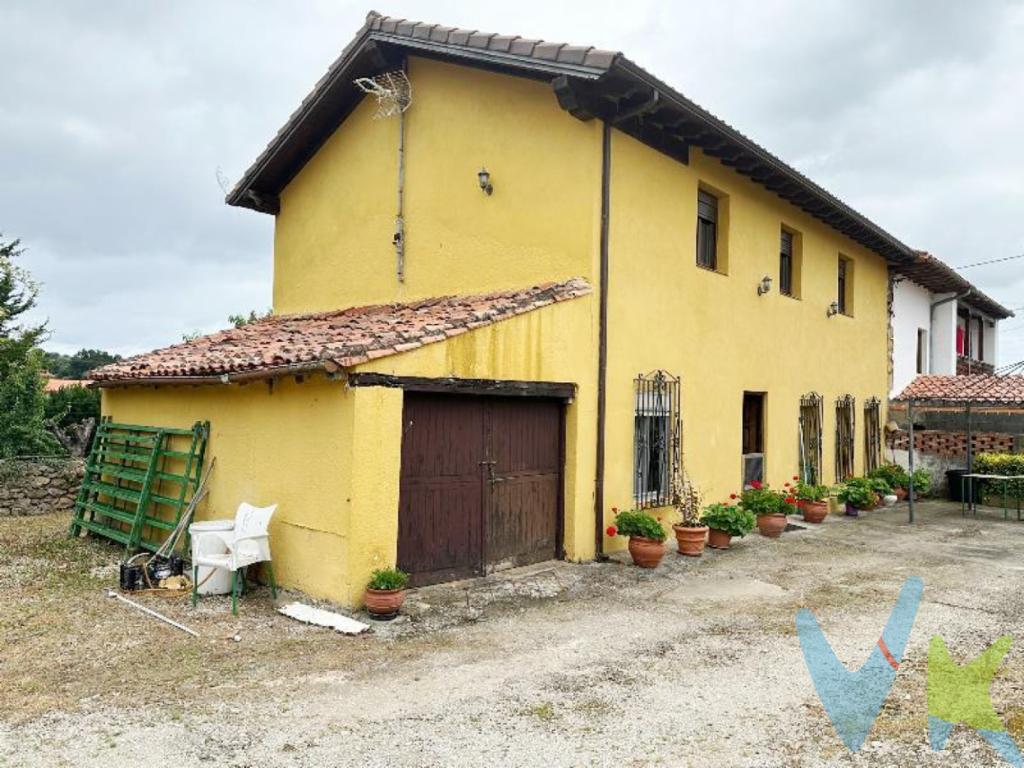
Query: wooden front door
[481,485]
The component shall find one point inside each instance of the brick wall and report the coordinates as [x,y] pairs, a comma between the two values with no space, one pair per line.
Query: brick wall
[951,445]
[37,486]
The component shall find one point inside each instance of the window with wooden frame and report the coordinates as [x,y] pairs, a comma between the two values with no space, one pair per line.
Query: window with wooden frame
[788,262]
[844,285]
[656,438]
[707,230]
[845,437]
[872,434]
[811,418]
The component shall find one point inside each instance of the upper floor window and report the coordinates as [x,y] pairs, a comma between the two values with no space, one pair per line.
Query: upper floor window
[786,263]
[844,286]
[707,230]
[922,350]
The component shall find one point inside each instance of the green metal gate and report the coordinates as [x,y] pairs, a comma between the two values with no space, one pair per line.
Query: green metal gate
[138,479]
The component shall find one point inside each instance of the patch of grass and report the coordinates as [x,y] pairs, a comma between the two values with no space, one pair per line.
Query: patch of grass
[544,712]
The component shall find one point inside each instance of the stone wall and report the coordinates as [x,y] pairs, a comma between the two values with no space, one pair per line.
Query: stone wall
[37,486]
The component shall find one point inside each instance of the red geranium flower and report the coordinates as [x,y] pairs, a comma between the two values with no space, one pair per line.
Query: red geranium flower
[732,495]
[785,485]
[615,510]
[756,485]
[611,530]
[790,500]
[796,477]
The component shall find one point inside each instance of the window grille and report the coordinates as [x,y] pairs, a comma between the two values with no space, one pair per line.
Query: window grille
[657,430]
[872,435]
[811,413]
[845,431]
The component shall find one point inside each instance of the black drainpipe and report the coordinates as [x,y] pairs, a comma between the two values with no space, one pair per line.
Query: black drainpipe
[602,341]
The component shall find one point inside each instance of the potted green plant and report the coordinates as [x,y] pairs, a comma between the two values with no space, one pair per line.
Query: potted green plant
[691,532]
[646,536]
[725,521]
[896,476]
[858,494]
[922,482]
[812,501]
[386,592]
[769,507]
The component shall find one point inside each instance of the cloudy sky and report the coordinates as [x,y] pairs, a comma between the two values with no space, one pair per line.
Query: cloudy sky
[121,120]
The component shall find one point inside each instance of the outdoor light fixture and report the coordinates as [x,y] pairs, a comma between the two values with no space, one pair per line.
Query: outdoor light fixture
[764,286]
[484,177]
[833,309]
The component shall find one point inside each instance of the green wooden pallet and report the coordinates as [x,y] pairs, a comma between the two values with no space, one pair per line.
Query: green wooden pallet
[138,480]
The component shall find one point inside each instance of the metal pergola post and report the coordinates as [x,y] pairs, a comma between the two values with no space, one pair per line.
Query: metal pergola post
[910,453]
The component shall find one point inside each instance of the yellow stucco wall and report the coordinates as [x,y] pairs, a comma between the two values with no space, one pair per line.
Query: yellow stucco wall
[285,444]
[332,244]
[714,330]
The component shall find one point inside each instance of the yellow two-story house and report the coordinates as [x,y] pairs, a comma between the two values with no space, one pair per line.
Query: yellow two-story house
[515,283]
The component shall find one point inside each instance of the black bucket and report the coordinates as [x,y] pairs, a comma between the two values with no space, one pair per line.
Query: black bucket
[131,577]
[160,568]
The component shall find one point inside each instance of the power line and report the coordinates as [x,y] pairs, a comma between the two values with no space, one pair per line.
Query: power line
[991,261]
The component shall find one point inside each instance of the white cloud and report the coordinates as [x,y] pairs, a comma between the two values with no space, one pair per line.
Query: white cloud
[117,116]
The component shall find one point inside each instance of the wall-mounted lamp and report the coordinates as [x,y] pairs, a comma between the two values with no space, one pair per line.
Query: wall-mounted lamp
[833,309]
[483,176]
[764,286]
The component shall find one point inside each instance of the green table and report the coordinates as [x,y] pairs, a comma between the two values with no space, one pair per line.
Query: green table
[967,503]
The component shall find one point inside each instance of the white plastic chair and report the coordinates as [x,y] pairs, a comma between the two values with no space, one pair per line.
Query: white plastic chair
[247,543]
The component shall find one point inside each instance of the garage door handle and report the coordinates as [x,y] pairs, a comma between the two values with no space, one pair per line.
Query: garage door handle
[490,473]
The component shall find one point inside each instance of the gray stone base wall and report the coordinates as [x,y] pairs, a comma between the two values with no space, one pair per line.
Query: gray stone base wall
[37,486]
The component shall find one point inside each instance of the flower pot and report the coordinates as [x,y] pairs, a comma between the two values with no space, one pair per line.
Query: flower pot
[718,539]
[691,540]
[815,511]
[646,553]
[852,511]
[771,526]
[900,493]
[889,499]
[384,602]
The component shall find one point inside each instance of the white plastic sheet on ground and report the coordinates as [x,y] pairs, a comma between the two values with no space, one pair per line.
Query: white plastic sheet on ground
[322,618]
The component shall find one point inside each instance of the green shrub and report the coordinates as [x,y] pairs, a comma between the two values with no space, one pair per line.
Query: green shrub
[730,518]
[859,492]
[922,482]
[762,500]
[807,492]
[639,524]
[388,578]
[879,485]
[1011,464]
[895,475]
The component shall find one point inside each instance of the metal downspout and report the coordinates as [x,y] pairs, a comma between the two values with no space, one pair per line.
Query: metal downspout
[602,344]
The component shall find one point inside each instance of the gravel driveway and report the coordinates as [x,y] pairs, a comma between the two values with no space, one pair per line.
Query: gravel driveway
[697,663]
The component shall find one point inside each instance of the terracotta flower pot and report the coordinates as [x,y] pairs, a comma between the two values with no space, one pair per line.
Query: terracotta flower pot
[815,511]
[691,540]
[900,493]
[771,526]
[646,553]
[719,539]
[384,602]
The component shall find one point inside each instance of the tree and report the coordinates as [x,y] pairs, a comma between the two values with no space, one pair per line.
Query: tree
[22,397]
[76,366]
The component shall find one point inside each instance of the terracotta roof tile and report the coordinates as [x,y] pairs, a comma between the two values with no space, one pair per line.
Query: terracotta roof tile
[974,388]
[289,343]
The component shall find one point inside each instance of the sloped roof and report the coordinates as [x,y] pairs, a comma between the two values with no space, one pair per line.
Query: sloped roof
[292,344]
[987,389]
[938,277]
[588,83]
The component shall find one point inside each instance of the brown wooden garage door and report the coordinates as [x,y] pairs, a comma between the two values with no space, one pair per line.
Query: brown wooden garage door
[481,485]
